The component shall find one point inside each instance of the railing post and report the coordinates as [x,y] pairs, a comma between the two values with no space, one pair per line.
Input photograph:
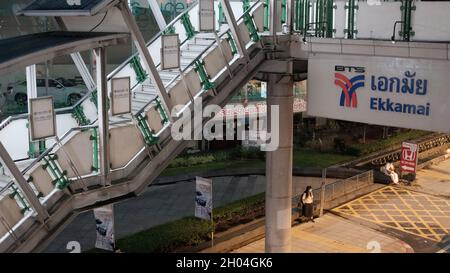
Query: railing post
[273,21]
[351,8]
[407,8]
[235,31]
[290,15]
[103,116]
[322,191]
[145,54]
[23,185]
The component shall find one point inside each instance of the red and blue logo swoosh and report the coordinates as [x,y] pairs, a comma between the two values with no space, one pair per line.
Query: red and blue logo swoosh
[349,87]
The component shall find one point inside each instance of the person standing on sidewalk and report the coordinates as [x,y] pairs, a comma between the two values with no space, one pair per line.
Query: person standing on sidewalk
[307,202]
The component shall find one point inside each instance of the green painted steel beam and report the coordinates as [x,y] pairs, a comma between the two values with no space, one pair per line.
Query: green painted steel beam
[141,74]
[232,43]
[204,78]
[406,8]
[266,15]
[186,21]
[251,26]
[222,18]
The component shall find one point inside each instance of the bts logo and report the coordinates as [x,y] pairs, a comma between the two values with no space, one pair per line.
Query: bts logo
[348,86]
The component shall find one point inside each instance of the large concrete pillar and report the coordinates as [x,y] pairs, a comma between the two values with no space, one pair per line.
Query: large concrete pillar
[279,166]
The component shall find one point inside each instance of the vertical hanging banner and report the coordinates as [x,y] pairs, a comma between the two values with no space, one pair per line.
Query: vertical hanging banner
[206,16]
[203,198]
[120,96]
[409,157]
[170,51]
[42,118]
[104,221]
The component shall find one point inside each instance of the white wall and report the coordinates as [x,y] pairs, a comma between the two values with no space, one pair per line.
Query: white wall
[375,20]
[431,21]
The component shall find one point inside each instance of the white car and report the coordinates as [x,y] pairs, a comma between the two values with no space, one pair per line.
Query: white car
[66,94]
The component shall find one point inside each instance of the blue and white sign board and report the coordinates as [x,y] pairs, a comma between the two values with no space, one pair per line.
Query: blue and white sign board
[399,92]
[203,198]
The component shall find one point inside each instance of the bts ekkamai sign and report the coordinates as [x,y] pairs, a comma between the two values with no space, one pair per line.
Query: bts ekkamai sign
[398,92]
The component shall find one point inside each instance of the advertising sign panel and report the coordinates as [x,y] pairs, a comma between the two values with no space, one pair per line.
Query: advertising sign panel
[409,157]
[203,198]
[104,220]
[206,16]
[170,51]
[120,96]
[42,118]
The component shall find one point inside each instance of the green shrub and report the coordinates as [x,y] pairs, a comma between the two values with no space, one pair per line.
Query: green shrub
[191,161]
[353,151]
[248,153]
[187,231]
[381,144]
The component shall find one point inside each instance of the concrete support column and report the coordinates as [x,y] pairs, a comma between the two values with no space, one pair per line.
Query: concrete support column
[103,115]
[279,166]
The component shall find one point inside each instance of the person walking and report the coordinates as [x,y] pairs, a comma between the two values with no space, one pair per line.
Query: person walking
[307,200]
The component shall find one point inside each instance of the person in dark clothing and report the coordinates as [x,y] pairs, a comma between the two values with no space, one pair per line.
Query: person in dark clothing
[307,200]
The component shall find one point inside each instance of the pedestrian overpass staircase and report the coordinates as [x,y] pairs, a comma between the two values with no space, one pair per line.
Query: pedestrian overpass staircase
[65,177]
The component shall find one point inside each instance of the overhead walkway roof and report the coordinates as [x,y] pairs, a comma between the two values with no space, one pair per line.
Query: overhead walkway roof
[30,49]
[66,7]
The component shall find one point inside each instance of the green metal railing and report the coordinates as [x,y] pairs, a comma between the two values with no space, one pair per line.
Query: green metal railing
[141,74]
[301,14]
[231,42]
[283,12]
[351,8]
[32,152]
[148,134]
[169,30]
[246,5]
[204,77]
[266,15]
[251,26]
[324,15]
[161,111]
[406,8]
[222,18]
[60,177]
[79,116]
[15,193]
[186,21]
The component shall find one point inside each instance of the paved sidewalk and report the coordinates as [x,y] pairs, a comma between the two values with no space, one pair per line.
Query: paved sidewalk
[333,234]
[435,179]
